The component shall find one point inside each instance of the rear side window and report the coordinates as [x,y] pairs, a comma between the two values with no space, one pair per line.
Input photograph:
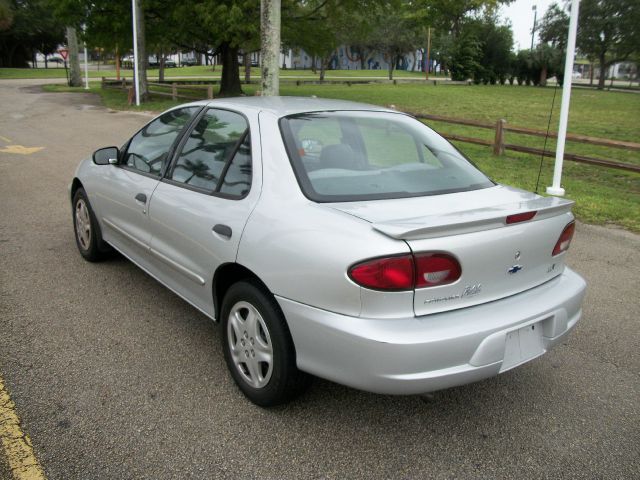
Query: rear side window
[349,156]
[148,149]
[217,148]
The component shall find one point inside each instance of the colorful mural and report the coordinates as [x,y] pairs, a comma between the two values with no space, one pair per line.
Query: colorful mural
[348,58]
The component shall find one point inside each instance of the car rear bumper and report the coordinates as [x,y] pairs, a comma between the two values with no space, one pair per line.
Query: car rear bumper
[422,354]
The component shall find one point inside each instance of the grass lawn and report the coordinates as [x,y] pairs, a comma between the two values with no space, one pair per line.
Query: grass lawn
[602,195]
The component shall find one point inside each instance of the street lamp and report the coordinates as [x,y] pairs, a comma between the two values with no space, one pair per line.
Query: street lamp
[533,30]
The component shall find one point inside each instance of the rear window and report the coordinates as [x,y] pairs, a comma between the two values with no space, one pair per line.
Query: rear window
[349,156]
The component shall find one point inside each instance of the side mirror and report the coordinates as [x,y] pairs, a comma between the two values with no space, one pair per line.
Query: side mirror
[106,156]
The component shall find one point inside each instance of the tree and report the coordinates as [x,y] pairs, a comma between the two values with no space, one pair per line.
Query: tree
[465,52]
[26,26]
[75,79]
[270,11]
[394,31]
[608,30]
[495,41]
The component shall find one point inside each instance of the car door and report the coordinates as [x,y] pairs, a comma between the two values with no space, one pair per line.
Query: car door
[124,193]
[199,209]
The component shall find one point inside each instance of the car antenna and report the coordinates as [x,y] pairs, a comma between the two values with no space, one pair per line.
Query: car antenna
[546,137]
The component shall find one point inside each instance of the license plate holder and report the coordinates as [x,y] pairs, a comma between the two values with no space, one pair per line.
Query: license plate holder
[522,345]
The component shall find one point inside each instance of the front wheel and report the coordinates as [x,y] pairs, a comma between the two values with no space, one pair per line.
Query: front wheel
[258,347]
[86,229]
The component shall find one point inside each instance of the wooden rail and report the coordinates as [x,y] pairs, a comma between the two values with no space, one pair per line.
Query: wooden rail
[499,145]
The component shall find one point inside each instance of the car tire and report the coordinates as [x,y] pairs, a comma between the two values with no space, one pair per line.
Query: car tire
[258,347]
[86,229]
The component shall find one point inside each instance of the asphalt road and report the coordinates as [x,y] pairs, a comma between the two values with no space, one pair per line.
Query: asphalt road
[115,377]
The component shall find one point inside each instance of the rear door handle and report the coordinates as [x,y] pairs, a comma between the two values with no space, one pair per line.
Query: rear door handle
[223,230]
[142,198]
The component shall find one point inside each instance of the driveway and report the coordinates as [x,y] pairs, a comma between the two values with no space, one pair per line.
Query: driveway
[115,377]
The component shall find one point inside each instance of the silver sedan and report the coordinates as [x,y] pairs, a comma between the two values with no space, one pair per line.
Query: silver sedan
[334,239]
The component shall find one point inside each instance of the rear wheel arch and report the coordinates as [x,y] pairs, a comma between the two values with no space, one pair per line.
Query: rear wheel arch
[225,276]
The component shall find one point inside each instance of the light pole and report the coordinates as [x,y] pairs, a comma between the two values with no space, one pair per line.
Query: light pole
[556,189]
[136,79]
[533,30]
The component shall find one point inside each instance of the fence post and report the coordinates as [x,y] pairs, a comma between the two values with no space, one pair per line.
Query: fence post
[174,91]
[498,143]
[210,91]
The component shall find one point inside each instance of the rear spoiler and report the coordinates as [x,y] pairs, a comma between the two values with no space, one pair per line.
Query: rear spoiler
[456,223]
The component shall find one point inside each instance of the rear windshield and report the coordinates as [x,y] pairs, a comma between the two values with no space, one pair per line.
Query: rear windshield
[349,156]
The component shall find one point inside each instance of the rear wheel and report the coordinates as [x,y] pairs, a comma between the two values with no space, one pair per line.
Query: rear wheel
[258,347]
[87,231]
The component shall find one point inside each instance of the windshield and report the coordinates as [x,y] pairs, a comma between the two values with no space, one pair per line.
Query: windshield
[346,156]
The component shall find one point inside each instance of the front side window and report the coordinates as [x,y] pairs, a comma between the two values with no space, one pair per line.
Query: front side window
[148,149]
[217,147]
[348,156]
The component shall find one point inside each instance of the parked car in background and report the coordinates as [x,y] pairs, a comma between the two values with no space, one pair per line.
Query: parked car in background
[334,239]
[188,61]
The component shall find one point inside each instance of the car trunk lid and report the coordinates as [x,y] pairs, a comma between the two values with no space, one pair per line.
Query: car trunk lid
[497,259]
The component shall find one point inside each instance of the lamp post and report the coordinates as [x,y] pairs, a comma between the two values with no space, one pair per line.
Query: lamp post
[136,79]
[533,30]
[556,189]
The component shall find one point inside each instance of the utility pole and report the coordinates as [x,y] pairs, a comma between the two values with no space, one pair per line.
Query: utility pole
[533,30]
[556,189]
[270,39]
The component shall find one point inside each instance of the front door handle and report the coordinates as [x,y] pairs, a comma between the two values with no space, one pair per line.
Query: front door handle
[223,230]
[142,198]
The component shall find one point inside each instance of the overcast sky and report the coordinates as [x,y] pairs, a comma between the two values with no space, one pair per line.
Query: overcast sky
[520,15]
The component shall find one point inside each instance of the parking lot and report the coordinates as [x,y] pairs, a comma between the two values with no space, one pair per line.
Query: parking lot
[116,377]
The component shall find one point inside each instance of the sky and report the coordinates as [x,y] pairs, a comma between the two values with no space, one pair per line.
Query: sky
[520,15]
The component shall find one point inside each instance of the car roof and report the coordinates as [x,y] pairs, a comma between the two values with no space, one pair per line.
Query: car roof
[283,106]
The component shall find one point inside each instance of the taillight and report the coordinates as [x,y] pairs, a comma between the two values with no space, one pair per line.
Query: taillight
[565,239]
[406,272]
[434,269]
[390,273]
[520,217]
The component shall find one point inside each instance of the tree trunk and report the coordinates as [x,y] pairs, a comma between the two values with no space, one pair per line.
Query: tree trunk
[391,65]
[270,40]
[161,66]
[591,74]
[543,77]
[142,54]
[322,68]
[75,79]
[603,71]
[117,63]
[361,54]
[247,67]
[230,81]
[313,64]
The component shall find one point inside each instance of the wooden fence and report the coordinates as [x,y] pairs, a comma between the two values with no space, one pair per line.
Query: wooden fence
[175,90]
[499,145]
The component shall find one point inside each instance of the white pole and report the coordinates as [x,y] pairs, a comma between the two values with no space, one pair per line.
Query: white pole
[556,189]
[86,68]
[136,81]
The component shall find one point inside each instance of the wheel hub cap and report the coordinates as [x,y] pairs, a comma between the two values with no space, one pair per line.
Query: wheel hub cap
[83,224]
[250,344]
